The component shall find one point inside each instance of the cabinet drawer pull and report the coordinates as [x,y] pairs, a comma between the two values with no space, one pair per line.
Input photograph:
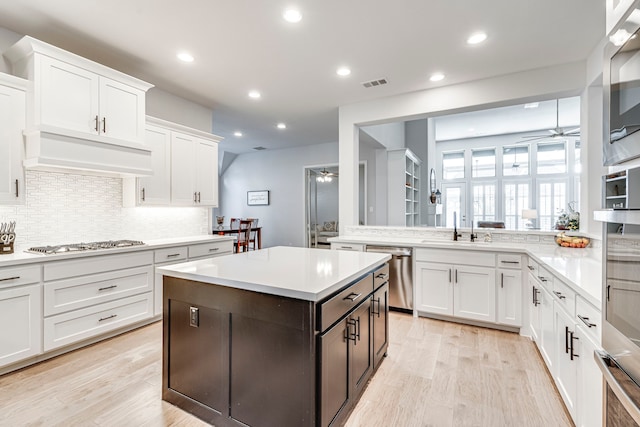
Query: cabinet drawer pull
[571,353]
[102,319]
[559,294]
[530,267]
[346,247]
[108,287]
[585,320]
[510,262]
[542,279]
[352,296]
[383,276]
[10,278]
[172,255]
[213,249]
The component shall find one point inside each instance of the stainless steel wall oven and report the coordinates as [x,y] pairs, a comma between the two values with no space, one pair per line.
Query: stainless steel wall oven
[620,362]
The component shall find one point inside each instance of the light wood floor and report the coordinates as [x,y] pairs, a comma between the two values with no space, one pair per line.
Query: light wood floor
[437,374]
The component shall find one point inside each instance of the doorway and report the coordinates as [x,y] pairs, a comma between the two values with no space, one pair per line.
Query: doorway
[321,203]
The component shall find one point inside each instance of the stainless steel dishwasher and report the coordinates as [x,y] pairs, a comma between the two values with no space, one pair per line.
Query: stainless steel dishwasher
[400,276]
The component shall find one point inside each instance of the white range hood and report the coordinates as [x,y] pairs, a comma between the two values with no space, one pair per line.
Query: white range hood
[61,150]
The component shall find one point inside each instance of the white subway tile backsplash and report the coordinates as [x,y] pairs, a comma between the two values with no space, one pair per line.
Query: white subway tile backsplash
[67,208]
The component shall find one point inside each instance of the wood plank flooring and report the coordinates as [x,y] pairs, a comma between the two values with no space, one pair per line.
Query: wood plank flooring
[437,374]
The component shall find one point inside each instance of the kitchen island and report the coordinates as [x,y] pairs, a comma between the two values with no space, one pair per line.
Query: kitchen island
[276,337]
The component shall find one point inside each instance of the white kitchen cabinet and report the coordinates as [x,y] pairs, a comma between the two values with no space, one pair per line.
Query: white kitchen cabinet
[194,171]
[348,247]
[534,308]
[21,320]
[509,289]
[12,122]
[75,94]
[154,190]
[547,341]
[80,115]
[566,370]
[589,381]
[457,290]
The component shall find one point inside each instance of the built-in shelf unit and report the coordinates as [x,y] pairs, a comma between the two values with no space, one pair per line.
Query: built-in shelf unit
[403,188]
[622,191]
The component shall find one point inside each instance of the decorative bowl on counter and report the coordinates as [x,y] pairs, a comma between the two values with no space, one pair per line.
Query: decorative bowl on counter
[572,241]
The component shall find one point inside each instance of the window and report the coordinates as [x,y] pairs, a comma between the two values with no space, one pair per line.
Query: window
[483,163]
[552,198]
[453,165]
[453,203]
[515,160]
[552,158]
[578,165]
[484,202]
[516,198]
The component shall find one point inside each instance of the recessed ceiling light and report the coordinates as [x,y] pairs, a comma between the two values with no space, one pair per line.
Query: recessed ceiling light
[238,134]
[477,38]
[185,57]
[292,15]
[343,71]
[281,126]
[436,77]
[254,94]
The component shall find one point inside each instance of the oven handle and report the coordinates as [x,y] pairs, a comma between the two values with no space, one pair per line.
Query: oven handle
[622,395]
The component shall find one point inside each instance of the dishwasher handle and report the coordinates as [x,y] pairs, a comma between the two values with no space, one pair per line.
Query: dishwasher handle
[393,251]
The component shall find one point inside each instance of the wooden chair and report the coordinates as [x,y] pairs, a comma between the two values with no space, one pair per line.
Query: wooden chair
[252,237]
[244,233]
[234,223]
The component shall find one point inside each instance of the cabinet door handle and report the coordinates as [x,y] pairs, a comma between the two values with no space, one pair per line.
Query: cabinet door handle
[449,275]
[9,278]
[143,194]
[107,318]
[455,276]
[502,280]
[573,338]
[352,296]
[199,199]
[375,301]
[535,297]
[195,197]
[97,121]
[107,288]
[357,330]
[559,294]
[17,189]
[585,320]
[566,339]
[104,125]
[347,333]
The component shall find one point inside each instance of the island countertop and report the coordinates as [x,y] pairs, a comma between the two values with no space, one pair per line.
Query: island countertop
[302,273]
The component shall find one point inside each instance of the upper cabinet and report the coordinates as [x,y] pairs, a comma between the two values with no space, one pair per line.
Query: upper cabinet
[12,121]
[185,168]
[81,115]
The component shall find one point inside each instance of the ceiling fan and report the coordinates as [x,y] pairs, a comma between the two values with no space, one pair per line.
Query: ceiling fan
[325,176]
[556,133]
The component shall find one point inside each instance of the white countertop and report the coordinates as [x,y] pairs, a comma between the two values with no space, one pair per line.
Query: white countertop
[580,268]
[308,274]
[20,257]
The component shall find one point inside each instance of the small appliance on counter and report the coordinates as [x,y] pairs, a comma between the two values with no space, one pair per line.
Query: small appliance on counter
[7,237]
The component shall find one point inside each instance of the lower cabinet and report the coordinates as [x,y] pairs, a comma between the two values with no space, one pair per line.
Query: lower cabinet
[380,323]
[566,369]
[21,320]
[589,381]
[547,341]
[534,307]
[463,291]
[509,290]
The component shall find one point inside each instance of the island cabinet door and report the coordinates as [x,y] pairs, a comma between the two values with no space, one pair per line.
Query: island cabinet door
[379,316]
[334,372]
[361,358]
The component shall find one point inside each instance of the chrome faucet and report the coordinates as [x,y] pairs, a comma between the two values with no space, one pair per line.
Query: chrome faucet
[473,235]
[455,229]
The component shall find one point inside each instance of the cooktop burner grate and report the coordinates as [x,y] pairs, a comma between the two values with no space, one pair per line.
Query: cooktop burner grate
[90,246]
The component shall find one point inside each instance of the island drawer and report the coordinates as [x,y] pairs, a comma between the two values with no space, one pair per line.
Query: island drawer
[340,304]
[210,249]
[171,254]
[381,276]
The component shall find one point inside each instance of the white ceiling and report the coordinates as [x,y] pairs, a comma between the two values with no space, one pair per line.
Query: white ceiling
[245,44]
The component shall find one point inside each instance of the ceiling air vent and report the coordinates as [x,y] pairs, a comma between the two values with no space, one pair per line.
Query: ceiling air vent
[374,83]
[259,148]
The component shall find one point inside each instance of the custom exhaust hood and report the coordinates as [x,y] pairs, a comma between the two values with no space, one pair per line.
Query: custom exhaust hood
[57,150]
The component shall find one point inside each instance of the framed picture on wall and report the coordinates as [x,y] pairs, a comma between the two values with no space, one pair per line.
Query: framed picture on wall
[258,198]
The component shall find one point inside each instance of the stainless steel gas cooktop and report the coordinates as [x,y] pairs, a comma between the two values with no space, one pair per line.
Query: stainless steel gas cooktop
[77,247]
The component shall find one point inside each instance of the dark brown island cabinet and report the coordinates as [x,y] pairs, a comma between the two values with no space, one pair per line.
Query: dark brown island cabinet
[234,357]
